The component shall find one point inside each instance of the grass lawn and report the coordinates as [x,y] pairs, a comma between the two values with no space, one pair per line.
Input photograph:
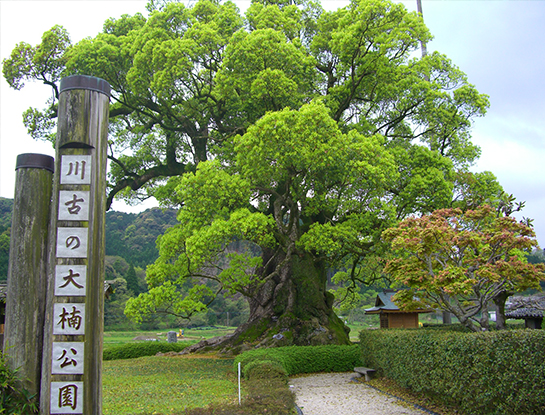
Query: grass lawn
[170,385]
[114,338]
[355,329]
[167,385]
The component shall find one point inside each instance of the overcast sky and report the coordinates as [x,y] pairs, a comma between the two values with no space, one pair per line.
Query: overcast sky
[500,45]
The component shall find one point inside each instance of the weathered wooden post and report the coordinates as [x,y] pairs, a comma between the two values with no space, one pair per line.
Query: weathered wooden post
[26,291]
[72,364]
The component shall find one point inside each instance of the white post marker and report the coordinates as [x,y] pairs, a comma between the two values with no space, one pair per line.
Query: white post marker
[239,383]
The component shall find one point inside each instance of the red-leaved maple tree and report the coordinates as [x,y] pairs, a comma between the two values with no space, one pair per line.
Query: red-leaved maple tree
[461,262]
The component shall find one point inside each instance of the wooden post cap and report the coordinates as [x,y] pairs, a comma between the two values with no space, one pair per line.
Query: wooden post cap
[35,161]
[85,82]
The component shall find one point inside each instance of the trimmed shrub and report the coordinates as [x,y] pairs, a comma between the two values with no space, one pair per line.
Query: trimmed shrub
[265,369]
[306,359]
[499,372]
[460,328]
[134,350]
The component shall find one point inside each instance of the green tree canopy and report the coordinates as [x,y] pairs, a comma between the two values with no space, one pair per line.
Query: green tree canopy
[186,80]
[303,132]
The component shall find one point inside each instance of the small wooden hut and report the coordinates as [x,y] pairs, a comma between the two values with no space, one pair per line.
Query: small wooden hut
[530,309]
[391,317]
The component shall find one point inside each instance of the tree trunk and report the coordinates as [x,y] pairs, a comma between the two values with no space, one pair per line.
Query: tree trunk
[469,324]
[462,314]
[500,300]
[485,321]
[293,308]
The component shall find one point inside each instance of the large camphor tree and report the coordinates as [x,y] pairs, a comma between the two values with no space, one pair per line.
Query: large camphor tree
[289,138]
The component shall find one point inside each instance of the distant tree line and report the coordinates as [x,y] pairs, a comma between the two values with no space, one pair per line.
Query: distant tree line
[133,236]
[129,236]
[6,206]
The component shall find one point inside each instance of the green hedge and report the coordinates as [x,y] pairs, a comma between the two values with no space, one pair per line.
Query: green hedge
[134,350]
[265,369]
[499,372]
[306,359]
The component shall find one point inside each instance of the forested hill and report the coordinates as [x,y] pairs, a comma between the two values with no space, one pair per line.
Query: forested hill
[6,206]
[132,236]
[128,235]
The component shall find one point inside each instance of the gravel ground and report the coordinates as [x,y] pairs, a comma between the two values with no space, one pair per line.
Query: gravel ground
[337,394]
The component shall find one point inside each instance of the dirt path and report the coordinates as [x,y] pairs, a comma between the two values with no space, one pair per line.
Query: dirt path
[336,394]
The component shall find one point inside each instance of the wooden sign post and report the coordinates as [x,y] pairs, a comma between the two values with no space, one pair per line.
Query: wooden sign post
[25,302]
[72,359]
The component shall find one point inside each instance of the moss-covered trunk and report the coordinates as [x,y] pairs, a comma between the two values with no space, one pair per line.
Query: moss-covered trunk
[292,308]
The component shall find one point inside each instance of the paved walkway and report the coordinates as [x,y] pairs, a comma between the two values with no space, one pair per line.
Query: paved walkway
[336,394]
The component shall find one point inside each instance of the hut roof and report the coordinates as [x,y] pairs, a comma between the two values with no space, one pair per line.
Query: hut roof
[108,288]
[3,292]
[384,302]
[525,307]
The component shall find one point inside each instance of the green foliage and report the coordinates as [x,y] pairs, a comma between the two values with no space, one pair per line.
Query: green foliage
[4,255]
[293,193]
[133,236]
[132,281]
[114,305]
[45,61]
[148,348]
[479,373]
[214,200]
[475,189]
[115,267]
[305,359]
[14,398]
[6,207]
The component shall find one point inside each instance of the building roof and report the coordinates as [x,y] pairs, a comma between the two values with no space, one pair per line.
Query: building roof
[383,302]
[3,292]
[525,307]
[108,288]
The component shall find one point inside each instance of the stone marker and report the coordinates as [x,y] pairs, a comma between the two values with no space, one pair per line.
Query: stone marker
[171,337]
